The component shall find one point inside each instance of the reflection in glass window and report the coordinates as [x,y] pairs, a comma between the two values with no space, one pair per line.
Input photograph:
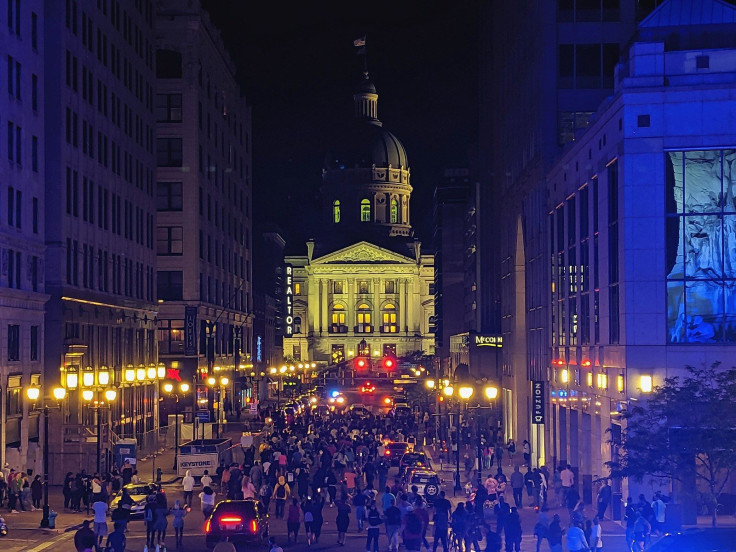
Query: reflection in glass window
[701,246]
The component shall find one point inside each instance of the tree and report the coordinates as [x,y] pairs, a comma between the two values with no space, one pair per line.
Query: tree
[685,430]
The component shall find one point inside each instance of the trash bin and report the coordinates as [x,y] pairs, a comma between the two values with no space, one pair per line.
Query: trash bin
[52,519]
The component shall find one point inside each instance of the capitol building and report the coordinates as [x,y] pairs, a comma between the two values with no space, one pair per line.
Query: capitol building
[363,284]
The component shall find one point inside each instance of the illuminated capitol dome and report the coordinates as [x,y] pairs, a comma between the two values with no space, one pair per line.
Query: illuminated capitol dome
[364,279]
[366,177]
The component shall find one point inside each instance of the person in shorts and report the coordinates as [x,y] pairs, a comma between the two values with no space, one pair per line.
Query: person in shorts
[100,524]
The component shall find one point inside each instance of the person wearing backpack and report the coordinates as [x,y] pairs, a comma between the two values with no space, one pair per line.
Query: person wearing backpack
[281,493]
[374,526]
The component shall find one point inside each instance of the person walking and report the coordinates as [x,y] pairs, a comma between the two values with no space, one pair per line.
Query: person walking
[293,518]
[374,525]
[412,533]
[149,518]
[359,501]
[207,499]
[116,540]
[540,529]
[281,492]
[36,492]
[188,486]
[441,508]
[603,499]
[511,449]
[342,521]
[526,450]
[179,512]
[567,479]
[100,526]
[658,513]
[512,530]
[393,524]
[517,486]
[596,536]
[576,539]
[161,522]
[554,534]
[318,503]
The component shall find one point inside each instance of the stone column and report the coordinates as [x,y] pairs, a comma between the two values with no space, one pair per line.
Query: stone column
[352,318]
[402,305]
[414,321]
[325,315]
[313,305]
[375,316]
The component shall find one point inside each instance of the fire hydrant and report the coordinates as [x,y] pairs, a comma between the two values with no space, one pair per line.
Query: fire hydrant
[52,519]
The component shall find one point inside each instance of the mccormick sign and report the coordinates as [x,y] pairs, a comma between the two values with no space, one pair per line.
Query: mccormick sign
[289,295]
[538,402]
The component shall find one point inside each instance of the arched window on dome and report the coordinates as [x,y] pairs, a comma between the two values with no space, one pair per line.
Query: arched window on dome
[365,210]
[364,319]
[388,315]
[336,211]
[394,211]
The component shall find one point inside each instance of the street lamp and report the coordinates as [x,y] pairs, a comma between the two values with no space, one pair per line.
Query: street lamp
[169,389]
[33,393]
[213,383]
[109,397]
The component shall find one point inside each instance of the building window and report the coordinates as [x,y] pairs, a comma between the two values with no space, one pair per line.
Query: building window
[338,353]
[336,211]
[169,152]
[364,319]
[170,336]
[389,286]
[394,211]
[388,316]
[169,196]
[14,400]
[169,285]
[339,317]
[297,324]
[389,349]
[13,342]
[169,240]
[337,288]
[365,210]
[613,256]
[168,108]
[168,64]
[297,288]
[34,343]
[700,258]
[363,287]
[432,323]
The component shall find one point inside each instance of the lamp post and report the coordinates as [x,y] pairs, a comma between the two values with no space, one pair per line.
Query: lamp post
[169,389]
[58,393]
[109,396]
[212,382]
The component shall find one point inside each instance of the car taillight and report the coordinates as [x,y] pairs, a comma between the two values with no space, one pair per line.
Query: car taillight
[254,526]
[207,526]
[388,453]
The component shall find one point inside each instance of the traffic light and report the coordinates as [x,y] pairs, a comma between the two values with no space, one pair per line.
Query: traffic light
[389,363]
[362,363]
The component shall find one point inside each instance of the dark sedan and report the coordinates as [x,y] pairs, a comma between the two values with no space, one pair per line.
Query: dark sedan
[697,540]
[240,522]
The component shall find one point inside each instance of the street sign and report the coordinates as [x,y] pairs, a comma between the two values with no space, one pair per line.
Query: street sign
[203,416]
[253,408]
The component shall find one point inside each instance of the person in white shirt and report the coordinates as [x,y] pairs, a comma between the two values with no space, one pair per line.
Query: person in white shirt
[100,527]
[207,499]
[188,486]
[659,509]
[206,479]
[596,534]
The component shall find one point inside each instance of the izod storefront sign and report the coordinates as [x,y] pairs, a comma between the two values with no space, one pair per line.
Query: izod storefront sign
[289,296]
[537,402]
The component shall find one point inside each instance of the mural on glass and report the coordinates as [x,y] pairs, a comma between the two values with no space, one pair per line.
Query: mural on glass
[701,246]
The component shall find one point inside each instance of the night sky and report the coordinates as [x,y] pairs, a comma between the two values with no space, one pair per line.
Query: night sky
[297,65]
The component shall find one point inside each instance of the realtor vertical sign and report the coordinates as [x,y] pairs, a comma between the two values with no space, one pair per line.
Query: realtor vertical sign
[538,402]
[289,299]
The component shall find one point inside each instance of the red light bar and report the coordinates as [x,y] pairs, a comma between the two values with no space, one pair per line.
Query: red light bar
[234,519]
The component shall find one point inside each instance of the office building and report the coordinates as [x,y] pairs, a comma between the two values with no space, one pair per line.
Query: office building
[203,202]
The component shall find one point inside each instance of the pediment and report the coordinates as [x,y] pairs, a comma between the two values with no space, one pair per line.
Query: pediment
[363,253]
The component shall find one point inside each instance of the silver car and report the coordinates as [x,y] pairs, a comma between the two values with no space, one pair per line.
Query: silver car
[139,493]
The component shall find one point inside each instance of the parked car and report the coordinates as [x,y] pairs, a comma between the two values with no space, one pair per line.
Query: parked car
[394,452]
[237,521]
[139,493]
[697,540]
[427,482]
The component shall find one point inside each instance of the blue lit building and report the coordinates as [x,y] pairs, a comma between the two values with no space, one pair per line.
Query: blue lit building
[642,232]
